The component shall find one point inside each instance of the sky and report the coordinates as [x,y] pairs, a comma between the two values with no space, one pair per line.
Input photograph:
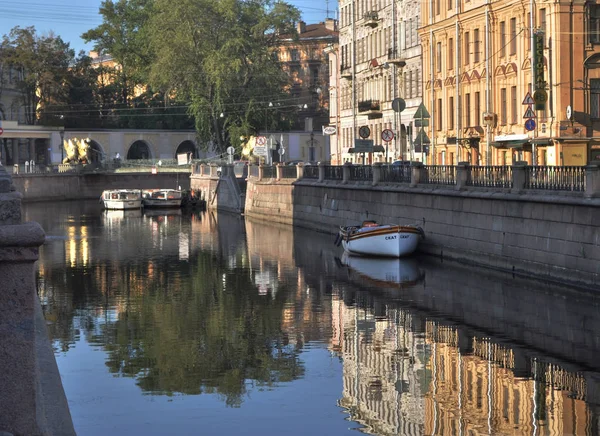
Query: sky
[70,18]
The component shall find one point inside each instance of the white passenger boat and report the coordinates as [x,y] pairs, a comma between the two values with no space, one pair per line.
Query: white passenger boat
[384,271]
[372,239]
[120,199]
[162,197]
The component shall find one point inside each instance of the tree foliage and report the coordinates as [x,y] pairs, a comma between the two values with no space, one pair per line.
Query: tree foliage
[41,65]
[218,56]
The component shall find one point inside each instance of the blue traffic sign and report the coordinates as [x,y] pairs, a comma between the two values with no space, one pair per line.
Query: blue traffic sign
[530,124]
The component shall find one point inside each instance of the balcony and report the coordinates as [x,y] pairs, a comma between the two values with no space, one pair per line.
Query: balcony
[346,72]
[371,19]
[371,108]
[395,58]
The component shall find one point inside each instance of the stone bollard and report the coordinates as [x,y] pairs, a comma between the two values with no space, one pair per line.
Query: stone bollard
[417,169]
[213,170]
[376,173]
[299,171]
[321,167]
[278,172]
[346,173]
[592,180]
[518,176]
[261,170]
[463,175]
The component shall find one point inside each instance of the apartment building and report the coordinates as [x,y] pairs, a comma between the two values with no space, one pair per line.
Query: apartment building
[304,59]
[488,105]
[378,60]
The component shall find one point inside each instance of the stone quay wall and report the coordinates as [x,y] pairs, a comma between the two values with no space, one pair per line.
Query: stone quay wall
[52,187]
[545,234]
[32,399]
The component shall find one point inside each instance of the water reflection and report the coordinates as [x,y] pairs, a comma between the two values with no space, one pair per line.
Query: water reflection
[215,304]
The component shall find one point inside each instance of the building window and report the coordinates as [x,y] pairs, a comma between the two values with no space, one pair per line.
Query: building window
[467,110]
[439,114]
[513,36]
[513,105]
[595,98]
[503,116]
[450,60]
[476,47]
[594,24]
[438,7]
[451,113]
[438,56]
[467,43]
[527,33]
[406,86]
[477,105]
[502,38]
[450,4]
[543,20]
[294,55]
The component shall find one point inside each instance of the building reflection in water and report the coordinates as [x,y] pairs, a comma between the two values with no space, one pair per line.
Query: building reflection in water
[406,371]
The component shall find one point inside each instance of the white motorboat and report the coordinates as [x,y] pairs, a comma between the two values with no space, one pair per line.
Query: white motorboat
[121,199]
[384,272]
[372,239]
[162,198]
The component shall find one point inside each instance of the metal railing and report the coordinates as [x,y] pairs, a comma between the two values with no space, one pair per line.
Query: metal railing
[334,172]
[439,175]
[396,174]
[269,172]
[555,178]
[311,172]
[289,172]
[491,176]
[361,173]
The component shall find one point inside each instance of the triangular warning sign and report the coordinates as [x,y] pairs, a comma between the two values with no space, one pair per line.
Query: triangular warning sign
[421,112]
[421,138]
[528,99]
[529,113]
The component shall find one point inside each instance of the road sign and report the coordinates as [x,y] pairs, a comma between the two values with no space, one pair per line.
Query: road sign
[421,122]
[398,104]
[260,150]
[529,113]
[364,132]
[528,99]
[530,124]
[421,112]
[261,140]
[421,138]
[363,145]
[230,150]
[281,151]
[387,135]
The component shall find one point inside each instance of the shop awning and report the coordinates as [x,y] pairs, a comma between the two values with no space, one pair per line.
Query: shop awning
[540,142]
[510,141]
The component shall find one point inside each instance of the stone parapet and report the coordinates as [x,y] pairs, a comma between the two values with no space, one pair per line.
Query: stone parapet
[25,397]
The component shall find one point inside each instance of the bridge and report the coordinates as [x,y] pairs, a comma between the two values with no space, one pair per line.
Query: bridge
[42,144]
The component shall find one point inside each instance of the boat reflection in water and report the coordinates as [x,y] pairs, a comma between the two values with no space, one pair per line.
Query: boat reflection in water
[384,272]
[114,216]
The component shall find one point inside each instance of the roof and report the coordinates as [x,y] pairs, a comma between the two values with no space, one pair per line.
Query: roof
[311,31]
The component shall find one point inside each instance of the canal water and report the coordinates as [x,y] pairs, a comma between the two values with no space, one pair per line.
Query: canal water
[183,323]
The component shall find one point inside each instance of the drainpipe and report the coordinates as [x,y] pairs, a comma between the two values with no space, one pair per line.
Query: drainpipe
[353,50]
[431,73]
[488,105]
[457,114]
[394,82]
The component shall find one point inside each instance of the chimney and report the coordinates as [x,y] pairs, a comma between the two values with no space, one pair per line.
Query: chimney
[301,26]
[331,24]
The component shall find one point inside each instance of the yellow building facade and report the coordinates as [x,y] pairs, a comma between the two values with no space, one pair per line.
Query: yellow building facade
[488,106]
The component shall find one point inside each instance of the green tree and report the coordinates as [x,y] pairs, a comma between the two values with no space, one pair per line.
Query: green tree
[42,65]
[217,55]
[123,36]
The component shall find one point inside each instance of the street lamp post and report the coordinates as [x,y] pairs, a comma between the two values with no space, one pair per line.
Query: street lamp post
[62,144]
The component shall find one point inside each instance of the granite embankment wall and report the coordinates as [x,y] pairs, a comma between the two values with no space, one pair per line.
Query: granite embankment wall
[536,234]
[32,400]
[52,187]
